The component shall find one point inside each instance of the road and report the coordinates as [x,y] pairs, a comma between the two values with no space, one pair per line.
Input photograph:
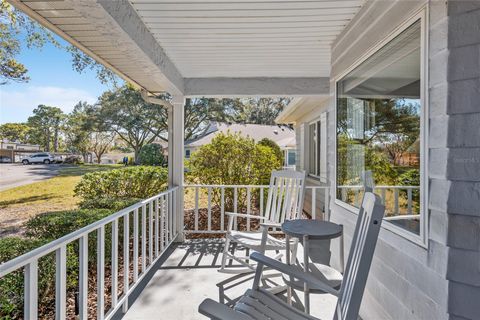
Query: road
[15,174]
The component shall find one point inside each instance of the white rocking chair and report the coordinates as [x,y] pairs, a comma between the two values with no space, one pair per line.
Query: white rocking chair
[258,303]
[284,201]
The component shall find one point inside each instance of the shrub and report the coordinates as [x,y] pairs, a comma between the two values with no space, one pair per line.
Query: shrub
[274,146]
[54,225]
[108,203]
[73,159]
[232,159]
[134,182]
[151,155]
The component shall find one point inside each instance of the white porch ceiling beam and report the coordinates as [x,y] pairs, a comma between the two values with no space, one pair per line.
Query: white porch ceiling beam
[127,18]
[283,87]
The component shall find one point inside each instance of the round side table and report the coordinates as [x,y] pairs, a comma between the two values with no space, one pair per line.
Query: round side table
[306,230]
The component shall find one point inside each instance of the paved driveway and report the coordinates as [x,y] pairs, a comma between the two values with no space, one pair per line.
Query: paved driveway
[14,174]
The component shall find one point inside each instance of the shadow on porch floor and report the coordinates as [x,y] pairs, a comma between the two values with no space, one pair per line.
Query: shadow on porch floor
[188,274]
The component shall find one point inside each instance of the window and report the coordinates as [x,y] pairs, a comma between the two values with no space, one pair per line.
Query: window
[291,157]
[187,154]
[317,146]
[379,125]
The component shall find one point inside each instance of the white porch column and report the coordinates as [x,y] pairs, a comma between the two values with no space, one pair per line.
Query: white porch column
[175,156]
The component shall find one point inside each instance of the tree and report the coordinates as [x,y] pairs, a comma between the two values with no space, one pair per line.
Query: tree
[100,143]
[14,132]
[13,25]
[231,159]
[254,110]
[151,155]
[46,124]
[78,126]
[17,28]
[135,121]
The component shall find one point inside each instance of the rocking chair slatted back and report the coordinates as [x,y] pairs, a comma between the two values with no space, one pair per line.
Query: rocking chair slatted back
[360,257]
[285,196]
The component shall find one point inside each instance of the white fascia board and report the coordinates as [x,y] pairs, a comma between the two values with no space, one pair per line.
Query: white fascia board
[127,18]
[258,86]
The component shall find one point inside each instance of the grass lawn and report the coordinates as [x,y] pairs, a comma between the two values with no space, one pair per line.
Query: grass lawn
[20,203]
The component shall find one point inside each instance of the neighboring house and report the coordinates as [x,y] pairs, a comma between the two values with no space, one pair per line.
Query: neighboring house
[9,145]
[16,150]
[281,135]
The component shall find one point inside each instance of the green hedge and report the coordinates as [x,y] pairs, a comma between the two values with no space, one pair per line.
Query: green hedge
[108,203]
[131,182]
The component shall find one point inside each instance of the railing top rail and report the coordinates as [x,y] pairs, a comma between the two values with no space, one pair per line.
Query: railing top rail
[238,186]
[37,253]
[381,187]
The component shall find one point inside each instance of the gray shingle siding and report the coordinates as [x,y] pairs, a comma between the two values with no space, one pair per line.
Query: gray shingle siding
[463,169]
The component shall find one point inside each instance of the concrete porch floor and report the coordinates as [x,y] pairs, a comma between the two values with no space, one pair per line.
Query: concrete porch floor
[188,274]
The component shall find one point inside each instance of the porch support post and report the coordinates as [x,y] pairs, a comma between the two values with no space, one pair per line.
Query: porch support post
[175,157]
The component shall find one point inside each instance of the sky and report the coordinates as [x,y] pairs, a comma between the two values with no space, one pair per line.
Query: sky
[52,82]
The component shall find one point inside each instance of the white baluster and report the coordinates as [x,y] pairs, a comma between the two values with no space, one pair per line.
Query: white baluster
[248,207]
[222,208]
[31,291]
[135,245]
[100,272]
[61,282]
[314,203]
[209,208]
[409,200]
[126,260]
[83,277]
[114,262]
[144,238]
[156,229]
[150,232]
[196,209]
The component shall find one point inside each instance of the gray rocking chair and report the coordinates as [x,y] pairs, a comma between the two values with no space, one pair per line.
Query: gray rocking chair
[258,303]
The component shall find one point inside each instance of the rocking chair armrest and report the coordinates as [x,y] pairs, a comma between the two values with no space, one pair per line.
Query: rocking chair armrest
[293,271]
[244,215]
[269,224]
[215,310]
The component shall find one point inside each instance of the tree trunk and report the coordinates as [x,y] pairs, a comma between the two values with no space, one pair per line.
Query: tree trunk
[47,140]
[55,140]
[137,151]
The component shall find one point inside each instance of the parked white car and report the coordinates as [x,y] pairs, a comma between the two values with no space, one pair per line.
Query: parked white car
[44,157]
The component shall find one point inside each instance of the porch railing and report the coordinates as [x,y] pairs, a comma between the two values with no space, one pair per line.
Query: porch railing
[357,193]
[149,227]
[248,199]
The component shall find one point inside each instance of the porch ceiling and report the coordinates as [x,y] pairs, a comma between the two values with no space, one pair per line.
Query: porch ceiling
[189,46]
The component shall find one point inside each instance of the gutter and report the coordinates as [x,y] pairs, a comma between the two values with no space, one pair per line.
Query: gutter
[155,100]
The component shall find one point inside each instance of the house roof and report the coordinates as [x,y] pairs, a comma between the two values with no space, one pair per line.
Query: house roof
[205,48]
[283,136]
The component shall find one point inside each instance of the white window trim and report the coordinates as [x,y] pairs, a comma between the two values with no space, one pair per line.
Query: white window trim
[315,122]
[422,238]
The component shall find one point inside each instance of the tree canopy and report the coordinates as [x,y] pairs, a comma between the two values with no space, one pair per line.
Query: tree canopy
[135,121]
[14,132]
[17,29]
[45,125]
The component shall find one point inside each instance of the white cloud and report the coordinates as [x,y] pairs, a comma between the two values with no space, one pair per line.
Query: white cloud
[17,106]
